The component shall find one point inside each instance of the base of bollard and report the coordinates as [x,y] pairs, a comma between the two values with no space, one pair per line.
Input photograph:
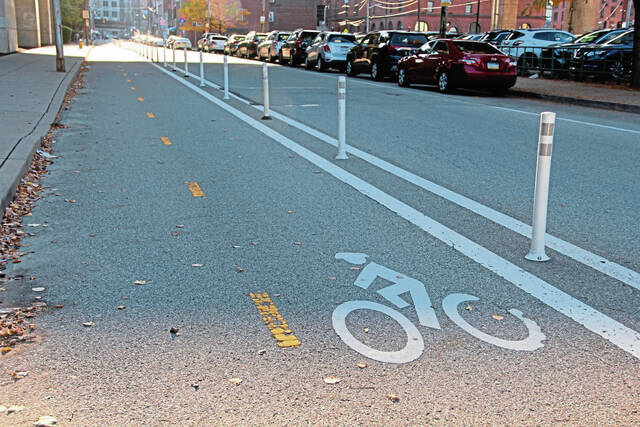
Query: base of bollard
[265,118]
[537,257]
[342,157]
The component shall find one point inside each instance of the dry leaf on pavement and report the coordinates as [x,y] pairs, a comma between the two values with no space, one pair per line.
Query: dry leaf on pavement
[197,265]
[362,365]
[497,317]
[468,308]
[239,270]
[87,324]
[354,268]
[331,379]
[139,282]
[235,381]
[393,397]
[121,307]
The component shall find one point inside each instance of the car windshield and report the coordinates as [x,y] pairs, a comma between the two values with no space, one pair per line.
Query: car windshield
[476,47]
[406,39]
[308,36]
[342,38]
[626,38]
[609,36]
[283,36]
[590,37]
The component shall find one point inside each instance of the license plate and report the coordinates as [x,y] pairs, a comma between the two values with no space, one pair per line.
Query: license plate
[493,66]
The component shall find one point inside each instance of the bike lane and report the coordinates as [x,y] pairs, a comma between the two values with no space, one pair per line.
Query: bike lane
[269,222]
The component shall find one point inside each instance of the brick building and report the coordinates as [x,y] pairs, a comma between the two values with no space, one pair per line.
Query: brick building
[279,15]
[609,14]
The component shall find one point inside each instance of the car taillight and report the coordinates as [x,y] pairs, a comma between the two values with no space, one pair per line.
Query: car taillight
[326,48]
[511,63]
[474,62]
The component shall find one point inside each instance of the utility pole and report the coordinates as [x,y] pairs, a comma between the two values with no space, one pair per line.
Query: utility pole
[368,6]
[264,16]
[418,21]
[443,20]
[85,16]
[477,17]
[57,24]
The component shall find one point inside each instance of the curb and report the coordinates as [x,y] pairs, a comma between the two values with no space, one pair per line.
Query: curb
[19,160]
[628,108]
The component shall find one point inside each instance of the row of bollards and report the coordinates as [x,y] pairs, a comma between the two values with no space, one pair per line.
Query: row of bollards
[545,142]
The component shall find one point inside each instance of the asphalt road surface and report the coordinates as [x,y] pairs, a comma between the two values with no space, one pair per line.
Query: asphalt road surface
[387,288]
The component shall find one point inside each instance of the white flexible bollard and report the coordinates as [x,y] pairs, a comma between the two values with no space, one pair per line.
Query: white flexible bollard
[541,191]
[201,71]
[342,118]
[265,92]
[174,58]
[226,77]
[186,63]
[164,56]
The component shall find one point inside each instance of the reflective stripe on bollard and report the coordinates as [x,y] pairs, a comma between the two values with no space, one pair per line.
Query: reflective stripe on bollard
[342,118]
[541,191]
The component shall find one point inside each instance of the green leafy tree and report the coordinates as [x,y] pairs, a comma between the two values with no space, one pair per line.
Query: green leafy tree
[72,13]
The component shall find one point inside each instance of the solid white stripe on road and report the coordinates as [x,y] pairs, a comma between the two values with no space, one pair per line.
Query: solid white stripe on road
[602,325]
[583,256]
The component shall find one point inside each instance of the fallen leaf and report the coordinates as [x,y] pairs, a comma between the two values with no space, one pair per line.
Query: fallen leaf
[331,379]
[14,408]
[362,365]
[179,226]
[59,306]
[174,330]
[37,289]
[235,246]
[354,268]
[497,317]
[261,352]
[121,307]
[197,265]
[366,330]
[139,282]
[239,270]
[46,421]
[393,397]
[18,375]
[289,212]
[4,350]
[297,243]
[88,324]
[255,243]
[235,381]
[175,233]
[564,205]
[69,200]
[332,278]
[276,295]
[32,326]
[468,308]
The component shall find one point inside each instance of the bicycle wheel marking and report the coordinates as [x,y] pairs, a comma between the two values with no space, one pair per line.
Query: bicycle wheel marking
[274,321]
[415,342]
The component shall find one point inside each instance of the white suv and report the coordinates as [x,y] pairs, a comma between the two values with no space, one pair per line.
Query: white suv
[526,45]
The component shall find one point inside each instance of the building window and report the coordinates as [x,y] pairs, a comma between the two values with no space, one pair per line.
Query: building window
[114,4]
[382,26]
[399,26]
[114,14]
[272,16]
[429,6]
[390,26]
[467,8]
[555,16]
[373,27]
[474,29]
[105,3]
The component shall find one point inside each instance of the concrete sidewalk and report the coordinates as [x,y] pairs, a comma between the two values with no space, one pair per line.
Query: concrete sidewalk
[598,95]
[31,93]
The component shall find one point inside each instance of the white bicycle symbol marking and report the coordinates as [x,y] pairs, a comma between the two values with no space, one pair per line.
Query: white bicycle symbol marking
[401,284]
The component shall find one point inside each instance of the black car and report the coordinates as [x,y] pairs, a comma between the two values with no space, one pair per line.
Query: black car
[231,45]
[611,59]
[294,50]
[557,57]
[379,51]
[248,48]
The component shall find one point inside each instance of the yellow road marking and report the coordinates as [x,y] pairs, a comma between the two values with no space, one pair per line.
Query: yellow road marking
[150,115]
[133,88]
[195,189]
[274,321]
[165,140]
[128,80]
[140,99]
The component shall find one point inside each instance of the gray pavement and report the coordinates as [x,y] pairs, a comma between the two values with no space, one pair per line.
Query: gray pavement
[31,95]
[276,209]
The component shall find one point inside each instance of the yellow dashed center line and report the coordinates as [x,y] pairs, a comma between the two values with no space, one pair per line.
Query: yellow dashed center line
[150,115]
[195,189]
[133,88]
[274,321]
[140,99]
[165,140]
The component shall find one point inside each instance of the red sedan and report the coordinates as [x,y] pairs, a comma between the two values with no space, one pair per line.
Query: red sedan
[459,63]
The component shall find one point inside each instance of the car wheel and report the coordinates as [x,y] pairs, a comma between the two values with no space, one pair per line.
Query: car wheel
[280,59]
[444,82]
[307,65]
[292,62]
[321,65]
[402,78]
[619,71]
[376,71]
[351,72]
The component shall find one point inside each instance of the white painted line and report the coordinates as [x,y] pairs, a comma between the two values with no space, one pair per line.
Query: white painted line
[625,338]
[583,256]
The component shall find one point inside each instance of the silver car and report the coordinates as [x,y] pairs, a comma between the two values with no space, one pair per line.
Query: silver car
[329,50]
[270,47]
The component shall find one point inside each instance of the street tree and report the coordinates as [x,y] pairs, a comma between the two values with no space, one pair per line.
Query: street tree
[72,13]
[214,14]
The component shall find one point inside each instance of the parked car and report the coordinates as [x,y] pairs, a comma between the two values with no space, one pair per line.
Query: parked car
[231,45]
[248,48]
[526,45]
[495,37]
[181,43]
[329,50]
[214,43]
[436,35]
[270,47]
[470,37]
[201,41]
[557,57]
[379,51]
[294,49]
[459,63]
[610,59]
